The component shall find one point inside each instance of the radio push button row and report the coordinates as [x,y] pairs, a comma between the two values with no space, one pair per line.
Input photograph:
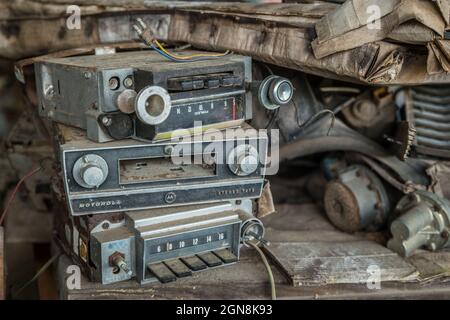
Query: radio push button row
[90,171]
[243,160]
[178,267]
[194,263]
[161,272]
[210,259]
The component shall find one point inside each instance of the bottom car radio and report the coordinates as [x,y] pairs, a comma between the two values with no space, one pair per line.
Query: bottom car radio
[160,244]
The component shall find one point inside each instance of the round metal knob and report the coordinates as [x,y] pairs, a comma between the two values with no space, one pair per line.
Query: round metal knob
[275,91]
[90,171]
[152,105]
[281,91]
[92,175]
[243,160]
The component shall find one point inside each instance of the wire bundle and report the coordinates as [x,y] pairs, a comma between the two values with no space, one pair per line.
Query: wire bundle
[144,33]
[185,58]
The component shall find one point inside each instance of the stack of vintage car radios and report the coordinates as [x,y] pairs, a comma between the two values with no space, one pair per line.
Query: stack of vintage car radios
[158,167]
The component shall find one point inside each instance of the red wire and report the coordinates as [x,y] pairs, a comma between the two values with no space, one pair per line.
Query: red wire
[13,195]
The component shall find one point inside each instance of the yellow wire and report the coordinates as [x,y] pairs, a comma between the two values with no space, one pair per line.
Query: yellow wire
[189,56]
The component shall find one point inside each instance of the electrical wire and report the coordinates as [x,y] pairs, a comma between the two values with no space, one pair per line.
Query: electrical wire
[192,56]
[318,115]
[188,58]
[16,189]
[269,270]
[146,35]
[314,118]
[38,274]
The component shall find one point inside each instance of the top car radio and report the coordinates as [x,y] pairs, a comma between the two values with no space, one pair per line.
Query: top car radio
[140,94]
[132,175]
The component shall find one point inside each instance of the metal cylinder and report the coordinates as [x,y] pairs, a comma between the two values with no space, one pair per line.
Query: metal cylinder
[356,200]
[423,222]
[422,216]
[404,248]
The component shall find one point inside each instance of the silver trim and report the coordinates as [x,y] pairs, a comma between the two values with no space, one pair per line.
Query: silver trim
[208,97]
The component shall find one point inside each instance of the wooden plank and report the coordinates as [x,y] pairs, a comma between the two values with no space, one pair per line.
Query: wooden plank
[2,265]
[311,251]
[431,265]
[321,263]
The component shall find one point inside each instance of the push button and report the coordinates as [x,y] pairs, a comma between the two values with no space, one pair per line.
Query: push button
[198,84]
[210,259]
[230,81]
[161,272]
[213,83]
[178,267]
[226,255]
[194,263]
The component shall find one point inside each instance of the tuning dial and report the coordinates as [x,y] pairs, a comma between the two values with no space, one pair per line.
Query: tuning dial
[90,171]
[243,160]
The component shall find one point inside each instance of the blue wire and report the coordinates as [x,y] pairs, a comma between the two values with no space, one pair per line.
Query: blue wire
[164,54]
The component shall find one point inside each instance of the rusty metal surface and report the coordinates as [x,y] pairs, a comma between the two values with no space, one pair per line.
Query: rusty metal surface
[342,207]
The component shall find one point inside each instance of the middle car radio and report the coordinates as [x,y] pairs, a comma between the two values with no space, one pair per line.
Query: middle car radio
[131,175]
[142,95]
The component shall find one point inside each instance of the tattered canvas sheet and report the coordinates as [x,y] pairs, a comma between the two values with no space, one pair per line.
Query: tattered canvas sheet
[439,173]
[412,32]
[280,34]
[362,27]
[352,15]
[438,56]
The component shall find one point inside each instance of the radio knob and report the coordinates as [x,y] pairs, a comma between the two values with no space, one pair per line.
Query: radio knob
[243,160]
[90,171]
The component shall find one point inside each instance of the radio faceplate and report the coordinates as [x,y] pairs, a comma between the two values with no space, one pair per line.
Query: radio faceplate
[141,94]
[167,243]
[130,175]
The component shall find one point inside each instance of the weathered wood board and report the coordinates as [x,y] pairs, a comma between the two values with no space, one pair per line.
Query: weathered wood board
[310,251]
[321,263]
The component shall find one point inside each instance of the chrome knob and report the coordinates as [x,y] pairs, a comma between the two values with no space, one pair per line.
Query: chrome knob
[152,105]
[243,160]
[275,91]
[90,171]
[92,175]
[281,91]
